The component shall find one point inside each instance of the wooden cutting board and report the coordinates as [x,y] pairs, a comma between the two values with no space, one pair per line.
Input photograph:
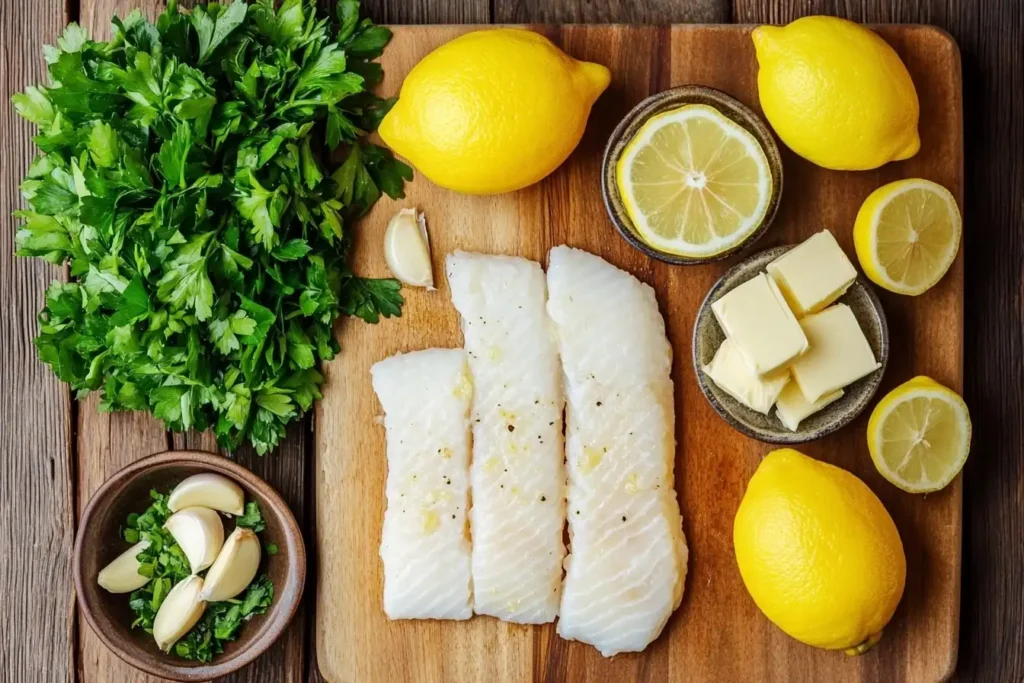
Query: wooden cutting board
[718,633]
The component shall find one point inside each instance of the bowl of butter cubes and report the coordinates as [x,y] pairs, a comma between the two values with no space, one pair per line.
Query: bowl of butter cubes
[790,344]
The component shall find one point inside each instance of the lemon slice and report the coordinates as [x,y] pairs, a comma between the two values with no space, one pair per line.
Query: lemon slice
[919,435]
[907,235]
[693,182]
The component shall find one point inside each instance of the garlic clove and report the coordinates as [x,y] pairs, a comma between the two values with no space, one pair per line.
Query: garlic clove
[179,612]
[208,490]
[200,533]
[234,568]
[122,575]
[407,249]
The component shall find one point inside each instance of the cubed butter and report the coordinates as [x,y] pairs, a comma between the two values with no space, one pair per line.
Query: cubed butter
[757,319]
[813,274]
[733,376]
[792,406]
[839,353]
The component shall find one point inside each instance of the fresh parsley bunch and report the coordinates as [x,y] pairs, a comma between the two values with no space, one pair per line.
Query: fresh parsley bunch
[185,179]
[165,563]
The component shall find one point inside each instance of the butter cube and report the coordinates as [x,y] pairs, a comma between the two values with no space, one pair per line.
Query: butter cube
[814,274]
[839,353]
[792,407]
[733,376]
[756,318]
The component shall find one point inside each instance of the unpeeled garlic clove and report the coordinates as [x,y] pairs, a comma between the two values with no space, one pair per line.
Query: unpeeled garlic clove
[179,612]
[122,575]
[200,533]
[407,249]
[234,568]
[208,490]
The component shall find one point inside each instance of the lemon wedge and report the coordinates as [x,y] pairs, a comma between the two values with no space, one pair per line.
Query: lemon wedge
[693,182]
[907,235]
[919,435]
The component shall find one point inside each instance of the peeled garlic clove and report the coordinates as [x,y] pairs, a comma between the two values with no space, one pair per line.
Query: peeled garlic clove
[407,249]
[200,533]
[208,490]
[235,567]
[122,575]
[179,612]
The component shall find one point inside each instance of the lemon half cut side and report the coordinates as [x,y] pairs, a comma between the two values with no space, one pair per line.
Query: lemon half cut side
[919,435]
[693,182]
[907,235]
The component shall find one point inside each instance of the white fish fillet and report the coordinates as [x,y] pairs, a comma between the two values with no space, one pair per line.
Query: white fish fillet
[424,545]
[627,553]
[518,470]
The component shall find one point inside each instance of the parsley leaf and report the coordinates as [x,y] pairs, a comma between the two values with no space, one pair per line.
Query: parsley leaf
[369,299]
[185,178]
[214,23]
[252,518]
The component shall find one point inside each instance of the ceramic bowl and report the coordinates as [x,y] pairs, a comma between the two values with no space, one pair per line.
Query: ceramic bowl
[674,98]
[98,542]
[708,336]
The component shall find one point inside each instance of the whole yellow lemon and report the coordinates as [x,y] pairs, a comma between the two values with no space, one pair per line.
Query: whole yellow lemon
[493,110]
[836,93]
[818,552]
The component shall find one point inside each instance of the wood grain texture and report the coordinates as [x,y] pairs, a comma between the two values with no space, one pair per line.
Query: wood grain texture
[285,470]
[717,634]
[991,39]
[610,12]
[106,443]
[36,491]
[427,11]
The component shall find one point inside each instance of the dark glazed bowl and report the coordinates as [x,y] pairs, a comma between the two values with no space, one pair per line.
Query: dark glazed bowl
[666,100]
[708,336]
[99,542]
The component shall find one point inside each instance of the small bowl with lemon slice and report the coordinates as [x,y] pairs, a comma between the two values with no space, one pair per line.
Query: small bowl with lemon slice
[691,175]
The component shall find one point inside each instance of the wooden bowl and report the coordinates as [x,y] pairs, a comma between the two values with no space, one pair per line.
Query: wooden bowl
[99,541]
[708,336]
[666,100]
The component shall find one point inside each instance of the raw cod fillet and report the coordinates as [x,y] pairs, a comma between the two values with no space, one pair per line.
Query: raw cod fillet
[518,470]
[424,545]
[627,553]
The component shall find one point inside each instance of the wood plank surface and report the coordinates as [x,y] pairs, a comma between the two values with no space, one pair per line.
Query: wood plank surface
[717,634]
[990,34]
[39,452]
[36,483]
[285,470]
[108,442]
[610,12]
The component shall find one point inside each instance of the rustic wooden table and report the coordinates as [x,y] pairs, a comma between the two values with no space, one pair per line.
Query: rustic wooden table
[56,452]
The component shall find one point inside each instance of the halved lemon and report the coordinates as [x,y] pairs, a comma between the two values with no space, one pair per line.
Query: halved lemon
[919,435]
[907,235]
[693,182]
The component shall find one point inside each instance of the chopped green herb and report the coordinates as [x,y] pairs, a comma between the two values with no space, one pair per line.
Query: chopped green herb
[252,518]
[185,177]
[221,621]
[164,561]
